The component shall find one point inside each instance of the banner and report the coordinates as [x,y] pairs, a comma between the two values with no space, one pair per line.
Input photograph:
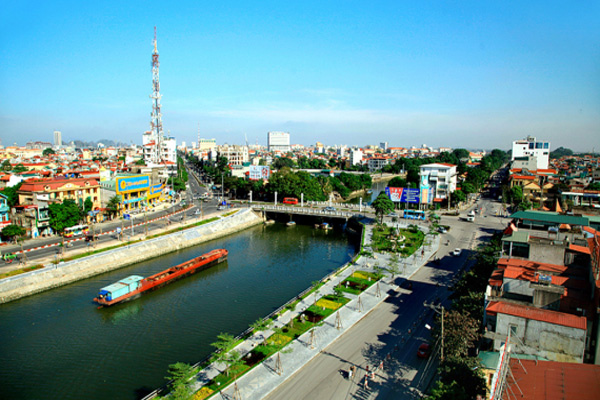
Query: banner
[258,172]
[132,183]
[403,195]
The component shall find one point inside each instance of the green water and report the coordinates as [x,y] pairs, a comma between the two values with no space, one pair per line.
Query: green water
[58,345]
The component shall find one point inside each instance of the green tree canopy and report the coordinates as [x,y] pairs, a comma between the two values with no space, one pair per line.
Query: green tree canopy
[12,195]
[382,205]
[64,215]
[113,206]
[12,231]
[281,162]
[19,168]
[48,151]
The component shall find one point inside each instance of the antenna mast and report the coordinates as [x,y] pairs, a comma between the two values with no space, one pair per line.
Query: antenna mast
[156,117]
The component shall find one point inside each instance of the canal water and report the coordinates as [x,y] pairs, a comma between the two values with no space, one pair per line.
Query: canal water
[58,345]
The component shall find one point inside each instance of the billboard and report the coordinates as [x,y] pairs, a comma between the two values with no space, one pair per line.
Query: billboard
[403,195]
[258,172]
[132,183]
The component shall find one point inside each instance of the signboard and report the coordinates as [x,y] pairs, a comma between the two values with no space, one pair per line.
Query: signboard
[258,172]
[132,183]
[403,195]
[118,229]
[156,188]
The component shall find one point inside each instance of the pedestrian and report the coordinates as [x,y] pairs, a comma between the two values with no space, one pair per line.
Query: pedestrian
[350,372]
[366,381]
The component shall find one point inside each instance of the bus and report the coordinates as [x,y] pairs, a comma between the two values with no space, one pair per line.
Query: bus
[76,230]
[414,214]
[290,200]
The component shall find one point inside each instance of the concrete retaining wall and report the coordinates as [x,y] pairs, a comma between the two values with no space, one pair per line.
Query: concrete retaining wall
[52,276]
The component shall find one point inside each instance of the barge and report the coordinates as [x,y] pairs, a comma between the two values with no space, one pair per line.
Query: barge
[134,286]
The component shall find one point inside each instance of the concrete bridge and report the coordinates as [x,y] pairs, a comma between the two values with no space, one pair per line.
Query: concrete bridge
[345,212]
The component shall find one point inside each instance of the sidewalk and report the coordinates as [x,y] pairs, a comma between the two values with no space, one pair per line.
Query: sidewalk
[264,378]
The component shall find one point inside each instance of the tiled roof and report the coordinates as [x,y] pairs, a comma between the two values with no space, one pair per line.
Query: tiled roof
[551,380]
[537,314]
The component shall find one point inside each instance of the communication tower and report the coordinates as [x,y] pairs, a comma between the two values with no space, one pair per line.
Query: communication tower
[156,127]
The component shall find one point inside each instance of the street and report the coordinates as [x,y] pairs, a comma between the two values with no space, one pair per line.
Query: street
[404,375]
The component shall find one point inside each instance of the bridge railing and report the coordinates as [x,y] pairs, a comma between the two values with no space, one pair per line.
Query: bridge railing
[308,210]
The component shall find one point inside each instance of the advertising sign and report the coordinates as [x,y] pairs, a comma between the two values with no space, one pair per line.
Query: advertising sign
[403,195]
[156,189]
[132,183]
[258,172]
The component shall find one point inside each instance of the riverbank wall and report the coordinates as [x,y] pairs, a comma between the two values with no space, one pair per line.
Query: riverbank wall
[52,275]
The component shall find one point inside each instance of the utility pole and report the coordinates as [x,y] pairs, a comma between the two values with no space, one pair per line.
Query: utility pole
[438,308]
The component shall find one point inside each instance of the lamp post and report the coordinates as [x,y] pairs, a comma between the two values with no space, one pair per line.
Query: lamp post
[438,308]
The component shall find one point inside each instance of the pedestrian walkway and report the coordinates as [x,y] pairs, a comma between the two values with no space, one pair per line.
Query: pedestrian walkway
[266,377]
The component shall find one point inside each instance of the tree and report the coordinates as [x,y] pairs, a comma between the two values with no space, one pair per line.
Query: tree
[466,373]
[88,205]
[64,215]
[281,162]
[13,231]
[6,165]
[48,151]
[593,186]
[397,182]
[140,162]
[19,168]
[224,344]
[179,374]
[458,196]
[382,205]
[114,205]
[461,332]
[12,195]
[467,188]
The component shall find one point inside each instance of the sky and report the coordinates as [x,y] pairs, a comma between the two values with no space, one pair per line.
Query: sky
[473,74]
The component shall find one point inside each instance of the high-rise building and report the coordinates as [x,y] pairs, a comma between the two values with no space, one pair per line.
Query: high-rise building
[279,141]
[57,138]
[530,148]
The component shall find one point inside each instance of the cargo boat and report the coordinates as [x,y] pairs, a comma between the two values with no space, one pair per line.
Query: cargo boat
[134,286]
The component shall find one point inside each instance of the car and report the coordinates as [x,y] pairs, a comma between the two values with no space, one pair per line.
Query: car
[392,214]
[424,350]
[441,229]
[456,252]
[329,208]
[221,207]
[198,212]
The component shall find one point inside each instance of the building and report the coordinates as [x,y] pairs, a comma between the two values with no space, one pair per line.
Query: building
[383,146]
[35,196]
[57,139]
[207,144]
[531,148]
[375,164]
[4,212]
[279,141]
[356,156]
[136,192]
[236,155]
[439,178]
[549,334]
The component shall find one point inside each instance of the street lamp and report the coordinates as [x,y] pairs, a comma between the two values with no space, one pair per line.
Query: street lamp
[438,308]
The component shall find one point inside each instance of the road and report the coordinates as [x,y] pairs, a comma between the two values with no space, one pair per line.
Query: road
[404,375]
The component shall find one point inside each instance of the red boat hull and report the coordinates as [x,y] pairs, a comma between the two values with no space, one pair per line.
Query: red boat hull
[169,275]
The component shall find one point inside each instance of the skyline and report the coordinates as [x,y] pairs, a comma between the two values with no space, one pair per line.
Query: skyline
[475,76]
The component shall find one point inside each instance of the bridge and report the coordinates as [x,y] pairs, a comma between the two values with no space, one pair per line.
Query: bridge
[345,212]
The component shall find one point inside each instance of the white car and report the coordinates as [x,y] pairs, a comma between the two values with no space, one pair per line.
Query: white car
[456,252]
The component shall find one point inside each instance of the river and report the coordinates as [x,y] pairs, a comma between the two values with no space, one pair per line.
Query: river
[58,345]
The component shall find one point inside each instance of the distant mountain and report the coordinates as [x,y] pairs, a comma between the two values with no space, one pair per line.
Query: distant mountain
[105,142]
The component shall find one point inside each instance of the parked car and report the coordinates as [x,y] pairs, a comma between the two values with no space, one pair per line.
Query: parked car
[456,252]
[392,214]
[329,208]
[441,229]
[424,350]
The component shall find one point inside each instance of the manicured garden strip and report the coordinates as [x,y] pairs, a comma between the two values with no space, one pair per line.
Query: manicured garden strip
[20,271]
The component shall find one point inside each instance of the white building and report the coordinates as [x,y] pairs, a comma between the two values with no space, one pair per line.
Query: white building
[166,153]
[236,155]
[440,178]
[529,147]
[356,156]
[57,138]
[384,146]
[207,144]
[279,141]
[375,164]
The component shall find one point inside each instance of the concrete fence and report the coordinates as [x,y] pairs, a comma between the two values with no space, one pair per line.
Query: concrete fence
[55,275]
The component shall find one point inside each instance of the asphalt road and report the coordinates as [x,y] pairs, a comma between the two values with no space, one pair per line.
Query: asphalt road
[404,375]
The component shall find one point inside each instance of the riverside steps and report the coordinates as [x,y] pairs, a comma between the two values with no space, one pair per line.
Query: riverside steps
[267,376]
[56,275]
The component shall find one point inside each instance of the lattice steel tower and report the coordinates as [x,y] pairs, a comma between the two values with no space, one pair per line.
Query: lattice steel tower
[156,122]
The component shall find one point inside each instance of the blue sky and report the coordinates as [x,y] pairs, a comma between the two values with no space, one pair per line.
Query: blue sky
[459,74]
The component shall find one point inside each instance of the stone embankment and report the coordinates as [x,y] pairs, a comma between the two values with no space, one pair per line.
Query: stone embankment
[52,276]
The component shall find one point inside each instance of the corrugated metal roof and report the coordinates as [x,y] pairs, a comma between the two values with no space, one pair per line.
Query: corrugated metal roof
[537,314]
[550,380]
[551,217]
[517,236]
[580,249]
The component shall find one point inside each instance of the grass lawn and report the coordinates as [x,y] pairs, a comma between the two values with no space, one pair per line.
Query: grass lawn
[20,271]
[383,235]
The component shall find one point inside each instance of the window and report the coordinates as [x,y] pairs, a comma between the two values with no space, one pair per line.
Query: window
[531,145]
[513,329]
[538,145]
[546,145]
